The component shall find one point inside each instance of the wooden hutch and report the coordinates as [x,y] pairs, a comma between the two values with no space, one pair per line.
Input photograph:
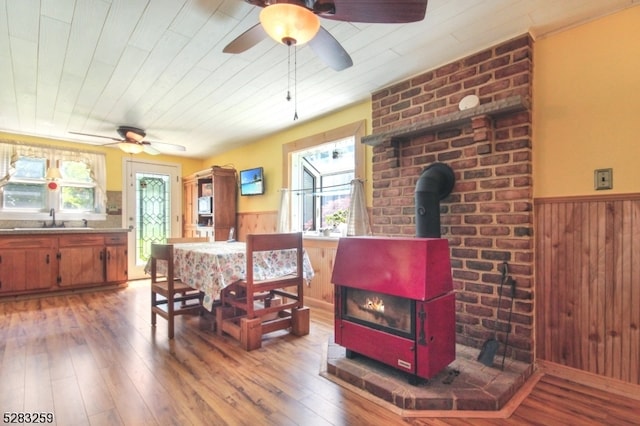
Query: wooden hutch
[216,188]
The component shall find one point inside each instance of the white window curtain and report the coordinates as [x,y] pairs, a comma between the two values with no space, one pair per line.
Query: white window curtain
[358,219]
[11,151]
[284,211]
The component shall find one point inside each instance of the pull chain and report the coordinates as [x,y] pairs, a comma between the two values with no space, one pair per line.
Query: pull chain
[295,83]
[288,71]
[295,78]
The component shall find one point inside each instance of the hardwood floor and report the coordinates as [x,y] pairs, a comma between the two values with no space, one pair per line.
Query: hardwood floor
[93,358]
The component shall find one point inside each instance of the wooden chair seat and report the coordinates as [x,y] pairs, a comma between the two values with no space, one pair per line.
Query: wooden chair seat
[170,297]
[250,308]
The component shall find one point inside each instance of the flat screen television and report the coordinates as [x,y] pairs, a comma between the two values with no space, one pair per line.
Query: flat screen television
[252,181]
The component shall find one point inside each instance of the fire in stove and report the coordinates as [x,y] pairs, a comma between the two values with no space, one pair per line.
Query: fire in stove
[380,311]
[374,304]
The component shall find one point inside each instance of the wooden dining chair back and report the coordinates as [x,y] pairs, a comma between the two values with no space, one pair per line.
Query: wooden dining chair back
[178,240]
[252,307]
[170,297]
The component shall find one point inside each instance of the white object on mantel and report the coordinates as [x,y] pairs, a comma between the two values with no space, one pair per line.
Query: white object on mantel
[468,102]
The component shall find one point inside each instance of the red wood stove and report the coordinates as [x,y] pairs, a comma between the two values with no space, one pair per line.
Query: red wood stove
[394,302]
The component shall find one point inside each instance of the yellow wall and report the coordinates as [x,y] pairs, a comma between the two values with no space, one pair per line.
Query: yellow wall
[267,153]
[586,107]
[113,157]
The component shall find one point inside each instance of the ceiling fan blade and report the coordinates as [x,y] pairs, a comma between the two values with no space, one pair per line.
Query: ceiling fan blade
[246,40]
[96,136]
[377,11]
[149,149]
[330,51]
[166,145]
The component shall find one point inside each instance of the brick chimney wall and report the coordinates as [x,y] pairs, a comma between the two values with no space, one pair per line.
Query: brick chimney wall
[488,216]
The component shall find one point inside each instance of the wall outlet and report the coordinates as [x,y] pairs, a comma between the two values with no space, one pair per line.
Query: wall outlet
[603,179]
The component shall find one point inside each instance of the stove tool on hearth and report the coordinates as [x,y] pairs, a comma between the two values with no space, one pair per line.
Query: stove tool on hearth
[490,346]
[512,283]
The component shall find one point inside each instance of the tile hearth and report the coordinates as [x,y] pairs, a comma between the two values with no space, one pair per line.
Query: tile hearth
[465,384]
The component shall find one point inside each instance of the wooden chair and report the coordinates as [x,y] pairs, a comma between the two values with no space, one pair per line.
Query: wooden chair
[170,297]
[250,308]
[179,240]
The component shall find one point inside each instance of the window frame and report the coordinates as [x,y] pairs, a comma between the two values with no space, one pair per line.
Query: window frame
[96,162]
[355,130]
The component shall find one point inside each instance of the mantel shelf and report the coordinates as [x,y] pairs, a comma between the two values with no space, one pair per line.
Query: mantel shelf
[449,121]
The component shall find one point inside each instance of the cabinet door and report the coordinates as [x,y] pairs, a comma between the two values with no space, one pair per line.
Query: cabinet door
[224,202]
[45,274]
[13,270]
[116,263]
[81,265]
[27,264]
[190,212]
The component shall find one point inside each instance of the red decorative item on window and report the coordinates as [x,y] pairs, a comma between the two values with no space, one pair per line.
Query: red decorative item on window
[52,186]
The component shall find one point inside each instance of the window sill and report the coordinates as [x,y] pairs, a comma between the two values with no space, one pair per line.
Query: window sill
[44,217]
[334,236]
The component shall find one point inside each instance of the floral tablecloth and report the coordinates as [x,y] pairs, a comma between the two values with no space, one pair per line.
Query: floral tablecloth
[210,267]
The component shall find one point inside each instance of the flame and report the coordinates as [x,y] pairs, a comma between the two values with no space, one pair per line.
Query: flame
[374,304]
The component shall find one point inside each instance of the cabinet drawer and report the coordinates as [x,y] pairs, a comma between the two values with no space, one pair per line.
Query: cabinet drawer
[115,239]
[81,240]
[27,242]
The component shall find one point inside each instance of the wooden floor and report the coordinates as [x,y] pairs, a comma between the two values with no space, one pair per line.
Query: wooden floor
[93,358]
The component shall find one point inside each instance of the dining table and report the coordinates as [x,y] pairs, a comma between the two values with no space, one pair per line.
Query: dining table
[212,266]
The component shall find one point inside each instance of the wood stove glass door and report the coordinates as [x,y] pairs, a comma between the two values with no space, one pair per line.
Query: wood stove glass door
[383,312]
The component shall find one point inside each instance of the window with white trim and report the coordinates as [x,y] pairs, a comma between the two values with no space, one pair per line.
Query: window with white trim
[321,177]
[318,173]
[26,190]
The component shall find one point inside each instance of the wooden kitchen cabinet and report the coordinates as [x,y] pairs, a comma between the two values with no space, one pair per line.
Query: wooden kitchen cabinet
[27,264]
[220,184]
[116,262]
[81,260]
[59,260]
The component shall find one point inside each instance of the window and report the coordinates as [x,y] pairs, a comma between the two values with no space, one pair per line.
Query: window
[319,172]
[27,192]
[321,178]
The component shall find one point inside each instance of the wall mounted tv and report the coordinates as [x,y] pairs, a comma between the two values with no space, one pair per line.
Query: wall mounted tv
[252,181]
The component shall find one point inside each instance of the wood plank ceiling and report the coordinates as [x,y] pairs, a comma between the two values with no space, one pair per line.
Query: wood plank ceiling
[92,65]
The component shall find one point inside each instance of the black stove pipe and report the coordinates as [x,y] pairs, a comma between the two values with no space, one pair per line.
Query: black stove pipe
[435,183]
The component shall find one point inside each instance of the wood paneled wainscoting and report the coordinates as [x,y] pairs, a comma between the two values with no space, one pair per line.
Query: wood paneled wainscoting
[588,284]
[322,251]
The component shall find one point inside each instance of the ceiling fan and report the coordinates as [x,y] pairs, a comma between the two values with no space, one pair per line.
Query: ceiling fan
[295,22]
[132,141]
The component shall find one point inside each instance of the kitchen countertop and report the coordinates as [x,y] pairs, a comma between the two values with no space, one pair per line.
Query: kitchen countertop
[70,230]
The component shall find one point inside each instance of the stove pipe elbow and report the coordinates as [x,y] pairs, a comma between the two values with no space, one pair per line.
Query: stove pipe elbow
[435,183]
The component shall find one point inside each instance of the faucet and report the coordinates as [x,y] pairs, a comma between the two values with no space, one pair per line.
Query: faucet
[52,213]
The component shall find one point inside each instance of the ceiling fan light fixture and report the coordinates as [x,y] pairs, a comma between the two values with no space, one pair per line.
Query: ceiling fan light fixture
[289,23]
[131,147]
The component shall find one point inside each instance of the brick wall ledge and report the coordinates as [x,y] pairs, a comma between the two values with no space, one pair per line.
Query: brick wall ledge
[451,120]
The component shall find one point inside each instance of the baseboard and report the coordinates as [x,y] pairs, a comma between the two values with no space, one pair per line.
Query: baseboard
[318,304]
[586,378]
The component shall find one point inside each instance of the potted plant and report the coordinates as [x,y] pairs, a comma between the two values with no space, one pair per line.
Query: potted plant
[337,219]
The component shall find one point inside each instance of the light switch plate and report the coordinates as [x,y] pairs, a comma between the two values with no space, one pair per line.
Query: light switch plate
[603,179]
